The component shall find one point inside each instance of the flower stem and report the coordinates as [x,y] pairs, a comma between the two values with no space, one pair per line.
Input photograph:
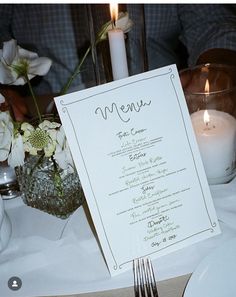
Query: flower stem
[57,179]
[76,72]
[77,69]
[34,98]
[40,159]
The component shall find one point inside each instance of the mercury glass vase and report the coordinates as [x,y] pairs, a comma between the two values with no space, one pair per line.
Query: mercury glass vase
[49,188]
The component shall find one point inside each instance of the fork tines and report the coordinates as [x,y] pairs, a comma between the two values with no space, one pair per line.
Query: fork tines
[144,278]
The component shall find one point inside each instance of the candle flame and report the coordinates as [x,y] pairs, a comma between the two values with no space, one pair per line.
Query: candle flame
[207,87]
[114,12]
[206,117]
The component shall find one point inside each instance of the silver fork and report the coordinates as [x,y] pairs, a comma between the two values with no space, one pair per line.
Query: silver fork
[144,278]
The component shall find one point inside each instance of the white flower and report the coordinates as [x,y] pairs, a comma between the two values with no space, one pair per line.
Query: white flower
[17,154]
[17,63]
[42,138]
[50,129]
[28,129]
[123,22]
[62,153]
[6,132]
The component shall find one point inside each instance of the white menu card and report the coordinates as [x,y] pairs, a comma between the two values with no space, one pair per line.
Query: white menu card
[135,151]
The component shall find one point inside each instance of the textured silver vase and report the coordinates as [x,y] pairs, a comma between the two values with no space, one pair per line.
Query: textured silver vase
[49,188]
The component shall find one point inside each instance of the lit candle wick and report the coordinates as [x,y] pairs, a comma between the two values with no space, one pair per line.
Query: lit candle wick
[114,14]
[206,119]
[113,24]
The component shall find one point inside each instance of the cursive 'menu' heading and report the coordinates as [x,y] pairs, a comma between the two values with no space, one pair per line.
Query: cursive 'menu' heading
[123,111]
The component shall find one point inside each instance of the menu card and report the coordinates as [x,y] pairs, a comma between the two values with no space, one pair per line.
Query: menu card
[136,154]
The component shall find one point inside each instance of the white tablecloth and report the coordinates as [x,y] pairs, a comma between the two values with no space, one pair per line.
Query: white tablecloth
[61,257]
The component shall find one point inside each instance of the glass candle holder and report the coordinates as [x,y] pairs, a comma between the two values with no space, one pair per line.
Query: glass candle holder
[210,93]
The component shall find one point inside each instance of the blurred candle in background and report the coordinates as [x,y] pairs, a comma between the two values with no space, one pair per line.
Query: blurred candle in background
[117,47]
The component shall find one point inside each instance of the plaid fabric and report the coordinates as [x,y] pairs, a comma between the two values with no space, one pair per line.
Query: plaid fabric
[198,27]
[61,32]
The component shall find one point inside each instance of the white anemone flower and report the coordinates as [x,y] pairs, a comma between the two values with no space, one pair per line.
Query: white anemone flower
[17,154]
[16,63]
[62,154]
[42,138]
[51,129]
[6,132]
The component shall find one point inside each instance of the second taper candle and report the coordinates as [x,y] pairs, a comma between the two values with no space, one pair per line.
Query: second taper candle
[117,47]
